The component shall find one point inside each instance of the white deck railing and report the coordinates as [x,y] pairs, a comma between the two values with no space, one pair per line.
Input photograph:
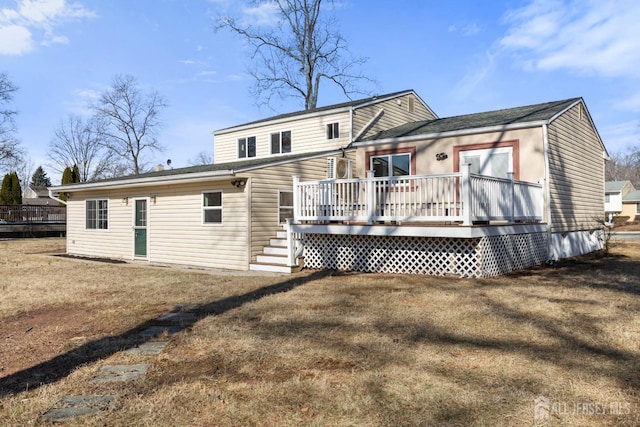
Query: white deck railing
[456,197]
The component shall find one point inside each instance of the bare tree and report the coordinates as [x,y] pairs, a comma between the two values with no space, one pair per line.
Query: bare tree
[295,55]
[624,166]
[76,142]
[130,120]
[10,149]
[202,158]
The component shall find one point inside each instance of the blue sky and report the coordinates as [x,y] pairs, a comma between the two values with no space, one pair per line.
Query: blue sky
[461,56]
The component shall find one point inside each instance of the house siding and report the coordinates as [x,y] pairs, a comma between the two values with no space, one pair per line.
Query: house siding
[531,161]
[576,171]
[630,210]
[264,186]
[308,134]
[395,113]
[176,234]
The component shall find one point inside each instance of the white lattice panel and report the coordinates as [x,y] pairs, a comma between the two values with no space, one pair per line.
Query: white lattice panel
[476,257]
[385,254]
[503,254]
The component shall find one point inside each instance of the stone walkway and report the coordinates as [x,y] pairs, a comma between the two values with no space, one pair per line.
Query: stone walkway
[165,325]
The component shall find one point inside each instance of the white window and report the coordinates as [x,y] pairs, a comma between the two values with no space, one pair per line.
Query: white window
[391,165]
[285,205]
[607,198]
[212,207]
[246,147]
[281,142]
[333,131]
[494,162]
[638,208]
[97,214]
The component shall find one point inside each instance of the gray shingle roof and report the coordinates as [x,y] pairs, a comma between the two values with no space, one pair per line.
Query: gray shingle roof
[354,103]
[509,116]
[236,167]
[615,186]
[632,196]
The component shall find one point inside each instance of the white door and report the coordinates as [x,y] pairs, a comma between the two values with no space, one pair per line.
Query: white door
[494,162]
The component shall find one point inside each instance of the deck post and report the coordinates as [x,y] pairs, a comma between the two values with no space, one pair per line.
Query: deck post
[371,198]
[512,196]
[465,193]
[296,199]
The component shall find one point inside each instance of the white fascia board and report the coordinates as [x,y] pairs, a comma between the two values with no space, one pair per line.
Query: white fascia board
[144,182]
[460,232]
[450,134]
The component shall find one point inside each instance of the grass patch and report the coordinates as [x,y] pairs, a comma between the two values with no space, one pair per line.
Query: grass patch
[322,348]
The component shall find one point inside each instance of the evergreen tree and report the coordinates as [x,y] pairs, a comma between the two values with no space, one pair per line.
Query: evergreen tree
[5,190]
[16,189]
[75,174]
[11,193]
[40,178]
[67,178]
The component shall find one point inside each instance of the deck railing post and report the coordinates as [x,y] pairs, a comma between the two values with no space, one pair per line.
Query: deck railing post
[371,198]
[512,196]
[465,193]
[296,199]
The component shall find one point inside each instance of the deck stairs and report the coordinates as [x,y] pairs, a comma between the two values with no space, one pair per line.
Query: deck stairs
[274,257]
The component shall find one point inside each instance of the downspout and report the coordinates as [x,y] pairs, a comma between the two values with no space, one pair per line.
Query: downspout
[547,186]
[350,126]
[51,196]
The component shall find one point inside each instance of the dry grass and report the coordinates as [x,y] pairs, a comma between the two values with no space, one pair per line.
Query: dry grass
[326,349]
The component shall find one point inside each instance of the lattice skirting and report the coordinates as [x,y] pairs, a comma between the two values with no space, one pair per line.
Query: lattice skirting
[474,257]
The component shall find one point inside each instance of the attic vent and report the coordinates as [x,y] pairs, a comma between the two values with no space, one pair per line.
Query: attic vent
[411,104]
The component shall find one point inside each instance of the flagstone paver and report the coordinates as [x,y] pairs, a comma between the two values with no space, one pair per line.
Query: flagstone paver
[77,406]
[121,373]
[149,348]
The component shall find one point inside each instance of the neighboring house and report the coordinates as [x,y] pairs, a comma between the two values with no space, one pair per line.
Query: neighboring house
[614,192]
[631,205]
[381,184]
[34,195]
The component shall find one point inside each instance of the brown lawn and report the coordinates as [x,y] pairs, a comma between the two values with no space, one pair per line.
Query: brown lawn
[322,348]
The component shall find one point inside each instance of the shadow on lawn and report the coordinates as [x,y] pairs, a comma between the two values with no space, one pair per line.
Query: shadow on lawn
[60,366]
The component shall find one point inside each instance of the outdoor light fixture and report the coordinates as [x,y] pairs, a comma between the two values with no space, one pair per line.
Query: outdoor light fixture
[153,198]
[239,183]
[125,200]
[441,156]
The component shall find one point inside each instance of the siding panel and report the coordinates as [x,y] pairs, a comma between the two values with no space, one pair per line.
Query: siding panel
[576,166]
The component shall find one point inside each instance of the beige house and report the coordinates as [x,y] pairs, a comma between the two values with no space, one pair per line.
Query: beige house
[621,199]
[380,184]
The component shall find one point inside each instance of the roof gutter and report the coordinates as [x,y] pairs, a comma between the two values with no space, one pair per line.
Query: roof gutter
[57,199]
[142,182]
[499,128]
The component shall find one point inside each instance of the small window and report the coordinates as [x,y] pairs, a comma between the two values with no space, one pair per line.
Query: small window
[333,131]
[391,165]
[97,214]
[285,206]
[281,142]
[638,208]
[212,207]
[607,198]
[246,147]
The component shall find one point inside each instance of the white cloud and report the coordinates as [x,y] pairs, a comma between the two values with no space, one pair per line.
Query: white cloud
[619,137]
[589,37]
[631,103]
[264,14]
[15,40]
[42,17]
[471,29]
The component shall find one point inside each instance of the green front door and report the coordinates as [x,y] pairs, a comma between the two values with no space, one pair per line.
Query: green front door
[140,228]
